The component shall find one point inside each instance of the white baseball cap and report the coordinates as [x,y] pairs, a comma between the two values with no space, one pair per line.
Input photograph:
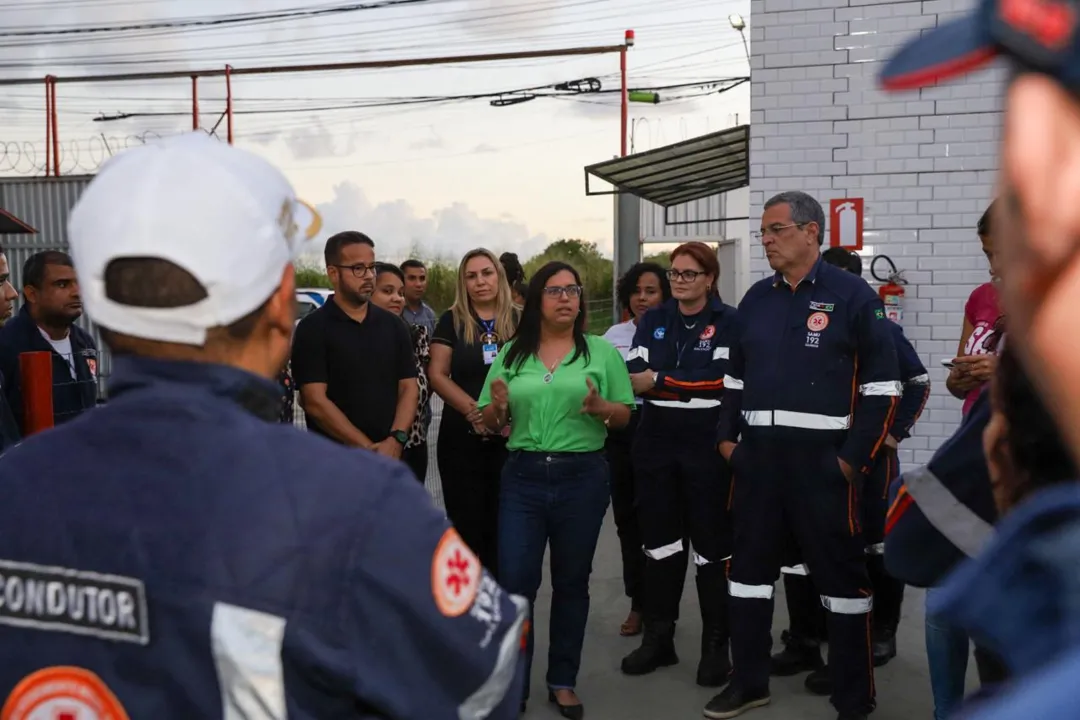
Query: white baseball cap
[225,215]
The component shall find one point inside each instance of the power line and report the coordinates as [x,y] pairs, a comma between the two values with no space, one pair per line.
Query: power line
[217,21]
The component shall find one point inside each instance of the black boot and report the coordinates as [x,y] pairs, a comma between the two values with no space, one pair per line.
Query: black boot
[715,665]
[799,655]
[657,649]
[819,682]
[884,647]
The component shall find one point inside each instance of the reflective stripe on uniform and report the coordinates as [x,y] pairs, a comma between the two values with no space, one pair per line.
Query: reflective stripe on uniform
[795,570]
[923,379]
[732,383]
[752,592]
[487,697]
[699,560]
[638,352]
[691,404]
[950,517]
[891,388]
[876,549]
[720,353]
[665,551]
[786,418]
[848,606]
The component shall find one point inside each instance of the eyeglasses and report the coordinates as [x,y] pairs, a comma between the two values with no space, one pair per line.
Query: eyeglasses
[572,291]
[358,271]
[774,231]
[685,275]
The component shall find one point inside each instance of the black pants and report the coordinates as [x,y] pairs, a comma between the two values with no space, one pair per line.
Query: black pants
[802,492]
[416,457]
[624,508]
[470,467]
[682,492]
[806,613]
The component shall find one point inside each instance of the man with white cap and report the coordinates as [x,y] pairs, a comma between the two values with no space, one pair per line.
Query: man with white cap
[178,554]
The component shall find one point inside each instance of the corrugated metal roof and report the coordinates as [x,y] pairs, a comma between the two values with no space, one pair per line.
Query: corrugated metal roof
[690,170]
[44,204]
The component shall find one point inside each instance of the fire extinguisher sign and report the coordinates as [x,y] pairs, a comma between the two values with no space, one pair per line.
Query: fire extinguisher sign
[846,223]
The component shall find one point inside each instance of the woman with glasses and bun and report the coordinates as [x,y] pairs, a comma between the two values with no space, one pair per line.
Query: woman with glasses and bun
[643,287]
[560,390]
[677,365]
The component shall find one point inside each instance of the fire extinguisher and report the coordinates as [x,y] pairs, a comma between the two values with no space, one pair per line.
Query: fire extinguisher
[891,290]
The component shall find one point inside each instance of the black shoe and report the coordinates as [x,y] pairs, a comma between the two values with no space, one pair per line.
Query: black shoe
[657,649]
[884,647]
[852,716]
[734,702]
[818,682]
[572,712]
[798,656]
[523,706]
[714,667]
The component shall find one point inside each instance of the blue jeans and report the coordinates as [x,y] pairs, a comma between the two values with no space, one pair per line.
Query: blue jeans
[559,498]
[947,656]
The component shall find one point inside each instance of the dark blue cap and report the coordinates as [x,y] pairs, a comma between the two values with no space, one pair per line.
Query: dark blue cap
[1040,35]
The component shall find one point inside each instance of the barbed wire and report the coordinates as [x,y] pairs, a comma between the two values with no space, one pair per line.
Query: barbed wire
[78,156]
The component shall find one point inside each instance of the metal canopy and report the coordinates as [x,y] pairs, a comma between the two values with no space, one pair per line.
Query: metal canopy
[683,172]
[11,225]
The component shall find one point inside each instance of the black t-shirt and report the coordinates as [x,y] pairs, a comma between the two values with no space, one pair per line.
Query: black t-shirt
[467,367]
[361,364]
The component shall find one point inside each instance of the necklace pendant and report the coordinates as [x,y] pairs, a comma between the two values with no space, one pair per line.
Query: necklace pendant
[548,378]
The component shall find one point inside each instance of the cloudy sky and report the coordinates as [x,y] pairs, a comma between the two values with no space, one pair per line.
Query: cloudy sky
[396,153]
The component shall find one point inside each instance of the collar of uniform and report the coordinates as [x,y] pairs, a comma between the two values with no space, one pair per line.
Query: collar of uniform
[257,395]
[338,314]
[811,277]
[714,305]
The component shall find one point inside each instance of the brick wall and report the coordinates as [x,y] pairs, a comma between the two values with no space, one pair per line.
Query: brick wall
[923,161]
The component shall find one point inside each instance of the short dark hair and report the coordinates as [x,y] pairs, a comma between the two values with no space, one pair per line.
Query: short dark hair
[336,243]
[512,267]
[412,264]
[629,281]
[382,267]
[985,222]
[843,258]
[148,282]
[33,273]
[804,209]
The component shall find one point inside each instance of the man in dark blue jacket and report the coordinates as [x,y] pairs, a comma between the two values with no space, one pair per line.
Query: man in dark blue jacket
[802,642]
[815,373]
[46,323]
[195,558]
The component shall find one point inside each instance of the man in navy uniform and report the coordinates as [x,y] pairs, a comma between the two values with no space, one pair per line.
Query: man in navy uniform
[814,384]
[179,554]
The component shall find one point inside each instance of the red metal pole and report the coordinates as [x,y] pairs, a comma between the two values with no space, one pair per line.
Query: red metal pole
[625,110]
[35,376]
[228,102]
[48,128]
[194,102]
[55,131]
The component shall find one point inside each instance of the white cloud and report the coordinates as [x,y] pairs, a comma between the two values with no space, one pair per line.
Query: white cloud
[397,228]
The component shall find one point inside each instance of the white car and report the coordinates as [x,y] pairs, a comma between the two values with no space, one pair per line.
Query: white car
[308,300]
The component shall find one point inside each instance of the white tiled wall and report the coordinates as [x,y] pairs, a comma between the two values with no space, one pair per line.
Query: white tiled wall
[923,161]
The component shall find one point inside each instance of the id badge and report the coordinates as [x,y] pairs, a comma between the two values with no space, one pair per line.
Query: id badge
[490,350]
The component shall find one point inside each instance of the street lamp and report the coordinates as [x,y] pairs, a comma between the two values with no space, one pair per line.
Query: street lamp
[739,24]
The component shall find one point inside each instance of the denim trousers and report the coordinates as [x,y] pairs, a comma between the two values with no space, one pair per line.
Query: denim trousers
[947,649]
[561,499]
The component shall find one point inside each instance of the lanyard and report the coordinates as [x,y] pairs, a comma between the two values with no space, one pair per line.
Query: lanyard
[680,348]
[489,336]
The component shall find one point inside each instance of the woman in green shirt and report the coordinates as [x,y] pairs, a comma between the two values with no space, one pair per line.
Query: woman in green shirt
[560,390]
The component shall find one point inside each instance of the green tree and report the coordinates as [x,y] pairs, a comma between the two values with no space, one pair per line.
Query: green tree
[660,258]
[596,276]
[309,276]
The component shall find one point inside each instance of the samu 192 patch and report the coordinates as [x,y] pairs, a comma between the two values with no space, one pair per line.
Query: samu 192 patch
[879,314]
[40,597]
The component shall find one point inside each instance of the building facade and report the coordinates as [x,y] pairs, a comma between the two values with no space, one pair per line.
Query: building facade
[924,162]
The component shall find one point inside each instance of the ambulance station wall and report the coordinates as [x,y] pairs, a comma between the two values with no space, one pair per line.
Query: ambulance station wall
[923,161]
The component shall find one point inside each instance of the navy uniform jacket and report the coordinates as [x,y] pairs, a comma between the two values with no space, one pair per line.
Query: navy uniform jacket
[196,559]
[9,429]
[816,357]
[689,370]
[71,396]
[916,382]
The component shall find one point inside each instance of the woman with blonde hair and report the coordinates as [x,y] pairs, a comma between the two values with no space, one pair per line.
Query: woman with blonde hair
[467,338]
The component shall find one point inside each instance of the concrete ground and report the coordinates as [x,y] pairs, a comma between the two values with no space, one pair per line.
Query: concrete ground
[903,686]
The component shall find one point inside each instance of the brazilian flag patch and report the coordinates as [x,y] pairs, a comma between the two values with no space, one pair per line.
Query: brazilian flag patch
[879,314]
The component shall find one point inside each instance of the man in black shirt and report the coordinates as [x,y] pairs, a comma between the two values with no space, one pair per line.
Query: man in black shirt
[352,361]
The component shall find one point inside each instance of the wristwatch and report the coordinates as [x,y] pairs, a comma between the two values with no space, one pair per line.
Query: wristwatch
[401,436]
